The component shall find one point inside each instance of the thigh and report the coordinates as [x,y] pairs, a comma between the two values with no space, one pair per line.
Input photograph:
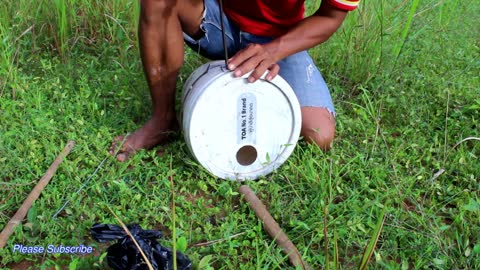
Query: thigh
[190,13]
[300,72]
[210,44]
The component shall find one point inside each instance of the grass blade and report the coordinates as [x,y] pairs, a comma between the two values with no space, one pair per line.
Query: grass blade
[335,249]
[367,254]
[174,230]
[464,140]
[325,232]
[406,29]
[150,267]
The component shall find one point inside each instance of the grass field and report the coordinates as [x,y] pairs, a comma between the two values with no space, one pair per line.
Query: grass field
[405,78]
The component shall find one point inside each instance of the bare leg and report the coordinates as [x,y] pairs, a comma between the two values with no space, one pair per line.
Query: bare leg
[318,126]
[161,48]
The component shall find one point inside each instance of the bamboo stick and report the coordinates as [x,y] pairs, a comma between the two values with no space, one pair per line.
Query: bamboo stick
[34,194]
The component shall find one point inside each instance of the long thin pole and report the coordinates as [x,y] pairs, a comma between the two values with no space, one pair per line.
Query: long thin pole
[34,194]
[222,26]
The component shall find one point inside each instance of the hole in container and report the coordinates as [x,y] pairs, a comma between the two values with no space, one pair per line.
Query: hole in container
[246,155]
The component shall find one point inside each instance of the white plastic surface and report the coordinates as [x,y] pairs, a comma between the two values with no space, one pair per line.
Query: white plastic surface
[222,113]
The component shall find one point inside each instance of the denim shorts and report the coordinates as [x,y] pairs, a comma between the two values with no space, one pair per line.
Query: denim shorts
[298,69]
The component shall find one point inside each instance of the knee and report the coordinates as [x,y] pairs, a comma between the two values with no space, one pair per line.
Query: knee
[152,9]
[318,127]
[323,137]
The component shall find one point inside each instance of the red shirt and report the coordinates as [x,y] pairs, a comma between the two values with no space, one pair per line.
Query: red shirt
[272,17]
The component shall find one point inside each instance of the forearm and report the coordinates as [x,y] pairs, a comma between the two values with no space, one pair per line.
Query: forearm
[310,32]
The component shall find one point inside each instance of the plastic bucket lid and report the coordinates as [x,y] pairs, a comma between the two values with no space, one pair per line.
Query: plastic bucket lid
[235,129]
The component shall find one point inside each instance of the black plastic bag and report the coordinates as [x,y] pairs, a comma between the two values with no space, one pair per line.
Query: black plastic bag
[124,254]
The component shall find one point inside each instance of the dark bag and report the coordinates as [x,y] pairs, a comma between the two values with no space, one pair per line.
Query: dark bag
[124,254]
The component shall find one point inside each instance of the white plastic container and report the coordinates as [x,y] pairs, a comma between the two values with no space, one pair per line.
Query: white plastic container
[235,129]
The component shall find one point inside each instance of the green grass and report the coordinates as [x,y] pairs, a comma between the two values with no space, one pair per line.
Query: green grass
[405,80]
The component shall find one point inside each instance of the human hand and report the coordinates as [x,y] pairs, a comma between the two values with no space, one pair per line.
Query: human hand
[256,57]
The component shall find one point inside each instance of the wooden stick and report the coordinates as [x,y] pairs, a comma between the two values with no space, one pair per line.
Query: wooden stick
[22,211]
[273,229]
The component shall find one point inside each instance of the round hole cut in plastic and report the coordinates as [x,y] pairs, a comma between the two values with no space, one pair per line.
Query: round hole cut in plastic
[246,155]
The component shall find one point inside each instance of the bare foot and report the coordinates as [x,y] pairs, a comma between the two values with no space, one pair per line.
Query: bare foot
[151,134]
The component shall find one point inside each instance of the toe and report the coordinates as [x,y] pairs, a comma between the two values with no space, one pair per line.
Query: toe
[115,144]
[122,157]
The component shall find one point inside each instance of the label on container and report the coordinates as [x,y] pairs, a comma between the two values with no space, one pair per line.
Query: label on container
[246,119]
